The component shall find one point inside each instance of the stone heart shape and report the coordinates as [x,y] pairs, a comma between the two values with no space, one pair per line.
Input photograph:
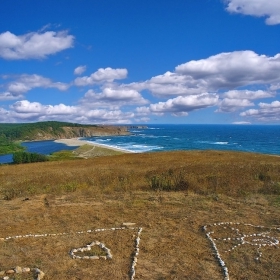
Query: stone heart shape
[88,248]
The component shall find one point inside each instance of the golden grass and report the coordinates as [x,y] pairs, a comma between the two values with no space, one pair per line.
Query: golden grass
[71,196]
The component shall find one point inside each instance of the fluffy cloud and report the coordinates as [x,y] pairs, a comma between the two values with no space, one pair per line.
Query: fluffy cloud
[25,110]
[169,85]
[5,116]
[181,105]
[275,86]
[104,116]
[33,45]
[113,98]
[247,94]
[232,70]
[259,8]
[5,96]
[28,109]
[265,112]
[80,70]
[25,83]
[237,99]
[224,71]
[231,105]
[101,75]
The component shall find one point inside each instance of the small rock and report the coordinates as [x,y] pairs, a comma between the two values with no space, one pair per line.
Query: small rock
[128,224]
[18,269]
[40,275]
[26,269]
[10,271]
[2,273]
[94,257]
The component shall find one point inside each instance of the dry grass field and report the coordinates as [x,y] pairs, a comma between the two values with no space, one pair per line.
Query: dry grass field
[171,195]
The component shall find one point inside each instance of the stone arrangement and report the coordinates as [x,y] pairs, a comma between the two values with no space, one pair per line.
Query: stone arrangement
[88,248]
[261,239]
[39,275]
[135,256]
[6,275]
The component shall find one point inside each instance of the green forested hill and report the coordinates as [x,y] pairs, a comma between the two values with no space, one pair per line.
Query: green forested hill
[30,131]
[7,146]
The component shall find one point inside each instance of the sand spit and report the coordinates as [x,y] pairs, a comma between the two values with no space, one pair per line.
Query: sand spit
[78,142]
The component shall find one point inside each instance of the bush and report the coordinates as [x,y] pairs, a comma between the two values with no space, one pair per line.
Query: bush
[169,181]
[272,188]
[25,157]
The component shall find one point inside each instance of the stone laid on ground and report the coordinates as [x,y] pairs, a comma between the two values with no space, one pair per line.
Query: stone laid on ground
[136,253]
[128,224]
[262,240]
[88,248]
[39,274]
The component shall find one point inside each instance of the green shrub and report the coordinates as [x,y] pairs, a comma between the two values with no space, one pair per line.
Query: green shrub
[25,157]
[168,181]
[271,188]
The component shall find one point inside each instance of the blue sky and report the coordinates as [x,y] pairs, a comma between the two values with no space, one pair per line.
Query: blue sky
[140,61]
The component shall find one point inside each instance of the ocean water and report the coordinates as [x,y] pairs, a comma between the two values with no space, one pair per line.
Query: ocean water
[263,139]
[248,138]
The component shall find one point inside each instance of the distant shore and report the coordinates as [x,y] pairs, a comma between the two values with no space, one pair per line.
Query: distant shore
[78,142]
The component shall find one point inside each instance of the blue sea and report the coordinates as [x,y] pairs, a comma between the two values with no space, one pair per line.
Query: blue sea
[263,139]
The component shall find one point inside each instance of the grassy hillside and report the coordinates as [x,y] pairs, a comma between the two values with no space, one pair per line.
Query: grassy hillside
[172,195]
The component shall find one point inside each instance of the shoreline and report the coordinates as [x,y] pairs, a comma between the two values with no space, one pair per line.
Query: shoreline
[78,142]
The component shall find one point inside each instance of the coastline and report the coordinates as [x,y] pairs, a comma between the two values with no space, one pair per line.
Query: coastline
[78,142]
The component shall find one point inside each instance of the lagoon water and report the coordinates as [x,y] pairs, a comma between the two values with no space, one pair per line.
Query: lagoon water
[248,138]
[42,147]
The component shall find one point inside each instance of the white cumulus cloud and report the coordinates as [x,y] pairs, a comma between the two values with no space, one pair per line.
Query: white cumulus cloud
[231,105]
[26,107]
[80,70]
[181,105]
[35,111]
[33,45]
[217,73]
[5,96]
[232,70]
[25,83]
[113,98]
[238,99]
[247,94]
[258,8]
[101,75]
[266,112]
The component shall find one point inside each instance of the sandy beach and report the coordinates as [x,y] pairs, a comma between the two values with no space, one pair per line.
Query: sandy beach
[78,142]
